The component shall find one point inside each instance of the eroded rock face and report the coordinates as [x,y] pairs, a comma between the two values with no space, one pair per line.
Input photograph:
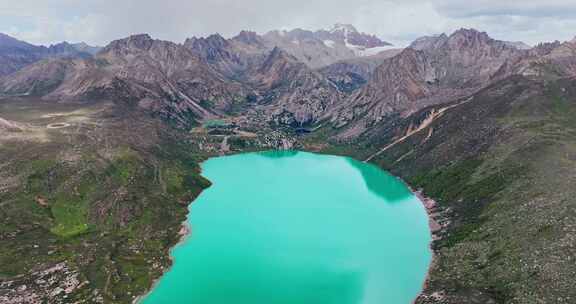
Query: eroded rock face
[296,94]
[56,284]
[169,79]
[429,42]
[6,125]
[324,47]
[440,69]
[316,49]
[284,87]
[206,77]
[351,74]
[348,33]
[550,60]
[211,77]
[16,54]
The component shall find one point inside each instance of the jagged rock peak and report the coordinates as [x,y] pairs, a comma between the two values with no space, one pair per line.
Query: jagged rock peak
[84,47]
[279,52]
[544,48]
[276,55]
[477,42]
[341,27]
[429,42]
[248,37]
[62,47]
[213,41]
[216,37]
[9,41]
[433,37]
[408,59]
[278,63]
[472,35]
[61,44]
[352,36]
[520,45]
[138,42]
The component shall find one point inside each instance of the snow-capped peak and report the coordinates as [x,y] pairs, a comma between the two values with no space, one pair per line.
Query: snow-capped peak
[345,28]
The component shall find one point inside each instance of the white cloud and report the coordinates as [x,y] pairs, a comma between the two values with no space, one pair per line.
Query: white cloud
[399,21]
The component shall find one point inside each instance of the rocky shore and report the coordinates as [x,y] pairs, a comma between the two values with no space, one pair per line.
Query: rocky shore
[437,222]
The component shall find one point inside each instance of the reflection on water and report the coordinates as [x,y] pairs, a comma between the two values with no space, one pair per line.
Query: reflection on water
[377,181]
[381,182]
[279,153]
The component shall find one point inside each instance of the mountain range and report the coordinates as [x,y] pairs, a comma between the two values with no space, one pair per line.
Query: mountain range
[486,128]
[300,77]
[16,54]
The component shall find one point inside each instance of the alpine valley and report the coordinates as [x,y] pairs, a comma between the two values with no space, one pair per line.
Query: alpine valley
[100,150]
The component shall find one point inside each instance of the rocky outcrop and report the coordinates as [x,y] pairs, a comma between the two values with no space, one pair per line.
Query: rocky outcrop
[284,87]
[440,69]
[351,74]
[160,76]
[324,47]
[347,33]
[16,54]
[213,76]
[231,57]
[552,61]
[293,93]
[217,51]
[6,125]
[316,49]
[429,42]
[56,282]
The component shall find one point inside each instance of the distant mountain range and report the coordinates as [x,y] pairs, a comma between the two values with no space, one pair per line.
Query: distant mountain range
[299,77]
[16,54]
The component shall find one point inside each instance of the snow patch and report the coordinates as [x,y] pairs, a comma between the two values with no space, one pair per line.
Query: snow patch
[345,28]
[518,45]
[329,43]
[375,50]
[361,51]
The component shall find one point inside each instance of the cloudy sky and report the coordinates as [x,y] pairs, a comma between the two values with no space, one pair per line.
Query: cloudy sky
[399,21]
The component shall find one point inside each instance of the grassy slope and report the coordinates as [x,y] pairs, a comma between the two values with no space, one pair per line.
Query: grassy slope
[116,190]
[503,170]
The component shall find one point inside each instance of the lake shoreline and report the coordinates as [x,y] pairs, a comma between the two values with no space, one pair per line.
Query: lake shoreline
[429,204]
[184,234]
[435,217]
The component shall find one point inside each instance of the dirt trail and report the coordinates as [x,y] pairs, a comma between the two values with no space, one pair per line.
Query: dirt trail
[434,114]
[224,146]
[246,134]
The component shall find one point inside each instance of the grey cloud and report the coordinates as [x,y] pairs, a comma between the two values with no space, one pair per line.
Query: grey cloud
[533,8]
[400,21]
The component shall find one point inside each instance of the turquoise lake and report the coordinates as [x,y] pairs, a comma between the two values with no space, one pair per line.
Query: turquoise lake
[297,228]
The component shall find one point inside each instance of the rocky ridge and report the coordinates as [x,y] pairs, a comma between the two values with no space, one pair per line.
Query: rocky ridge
[16,54]
[438,69]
